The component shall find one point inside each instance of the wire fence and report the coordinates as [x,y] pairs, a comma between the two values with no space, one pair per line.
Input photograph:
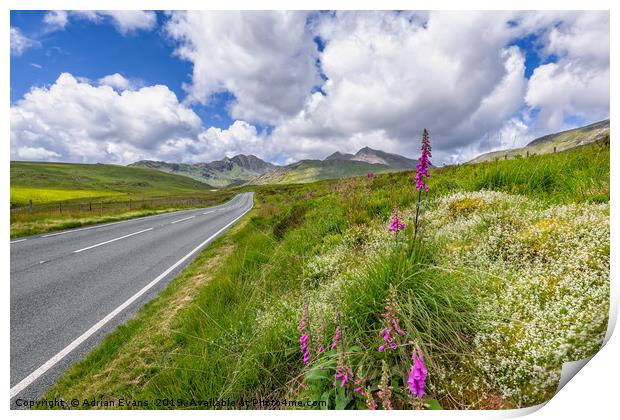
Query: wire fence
[101,207]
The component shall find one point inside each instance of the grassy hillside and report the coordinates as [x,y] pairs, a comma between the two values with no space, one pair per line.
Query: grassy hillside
[66,195]
[509,279]
[317,170]
[51,182]
[557,142]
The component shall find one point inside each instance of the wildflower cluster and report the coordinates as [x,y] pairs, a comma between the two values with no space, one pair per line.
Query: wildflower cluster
[551,303]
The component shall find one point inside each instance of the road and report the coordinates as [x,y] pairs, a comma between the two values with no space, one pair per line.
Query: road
[69,289]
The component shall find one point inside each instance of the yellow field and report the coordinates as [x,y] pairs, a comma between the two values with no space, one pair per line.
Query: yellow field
[20,196]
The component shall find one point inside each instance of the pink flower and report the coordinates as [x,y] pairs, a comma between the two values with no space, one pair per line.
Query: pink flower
[343,373]
[336,338]
[305,338]
[371,175]
[393,324]
[396,224]
[417,375]
[421,170]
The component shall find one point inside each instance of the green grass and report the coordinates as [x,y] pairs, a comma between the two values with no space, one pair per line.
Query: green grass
[228,325]
[53,182]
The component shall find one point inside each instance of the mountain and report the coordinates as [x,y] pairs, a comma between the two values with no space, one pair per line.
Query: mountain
[339,156]
[315,170]
[249,169]
[220,173]
[337,165]
[551,143]
[368,155]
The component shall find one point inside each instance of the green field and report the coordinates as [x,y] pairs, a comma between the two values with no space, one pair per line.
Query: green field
[52,182]
[509,278]
[66,195]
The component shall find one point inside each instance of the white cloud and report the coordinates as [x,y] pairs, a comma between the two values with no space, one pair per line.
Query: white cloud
[116,81]
[36,153]
[265,59]
[56,19]
[577,85]
[125,21]
[389,75]
[80,122]
[20,42]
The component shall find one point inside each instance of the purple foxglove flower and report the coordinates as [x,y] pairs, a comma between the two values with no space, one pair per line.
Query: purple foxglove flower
[417,375]
[424,163]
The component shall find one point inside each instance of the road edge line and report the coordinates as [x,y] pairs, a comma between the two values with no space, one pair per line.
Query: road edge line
[28,380]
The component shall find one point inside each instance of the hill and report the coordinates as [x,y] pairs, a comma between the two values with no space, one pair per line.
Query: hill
[220,173]
[49,182]
[551,143]
[337,165]
[315,170]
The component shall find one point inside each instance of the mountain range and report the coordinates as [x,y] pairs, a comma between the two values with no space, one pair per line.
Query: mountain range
[249,169]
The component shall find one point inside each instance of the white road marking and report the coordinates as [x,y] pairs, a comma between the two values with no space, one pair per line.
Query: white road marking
[112,223]
[182,220]
[86,228]
[18,240]
[207,212]
[19,387]
[112,240]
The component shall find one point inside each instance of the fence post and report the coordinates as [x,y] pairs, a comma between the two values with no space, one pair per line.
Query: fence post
[60,207]
[527,153]
[554,149]
[130,204]
[506,157]
[101,208]
[30,206]
[90,206]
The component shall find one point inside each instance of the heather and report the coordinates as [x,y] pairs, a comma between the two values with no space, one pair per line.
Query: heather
[323,295]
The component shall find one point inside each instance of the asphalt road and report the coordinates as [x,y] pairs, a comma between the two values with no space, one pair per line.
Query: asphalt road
[69,289]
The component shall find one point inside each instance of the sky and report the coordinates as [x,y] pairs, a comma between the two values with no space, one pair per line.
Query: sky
[122,86]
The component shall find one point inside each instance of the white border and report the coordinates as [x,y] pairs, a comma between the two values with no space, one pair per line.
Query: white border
[592,393]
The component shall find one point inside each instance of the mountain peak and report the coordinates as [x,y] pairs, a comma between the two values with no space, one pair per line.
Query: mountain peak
[370,155]
[339,156]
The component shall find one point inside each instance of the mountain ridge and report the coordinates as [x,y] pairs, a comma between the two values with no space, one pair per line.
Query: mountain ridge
[250,169]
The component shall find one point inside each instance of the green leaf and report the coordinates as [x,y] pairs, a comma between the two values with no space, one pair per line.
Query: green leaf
[325,397]
[433,405]
[317,374]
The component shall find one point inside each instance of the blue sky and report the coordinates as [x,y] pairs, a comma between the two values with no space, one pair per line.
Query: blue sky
[94,50]
[298,85]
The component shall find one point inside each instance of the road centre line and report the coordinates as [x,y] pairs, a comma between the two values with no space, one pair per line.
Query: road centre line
[75,343]
[182,220]
[18,240]
[111,240]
